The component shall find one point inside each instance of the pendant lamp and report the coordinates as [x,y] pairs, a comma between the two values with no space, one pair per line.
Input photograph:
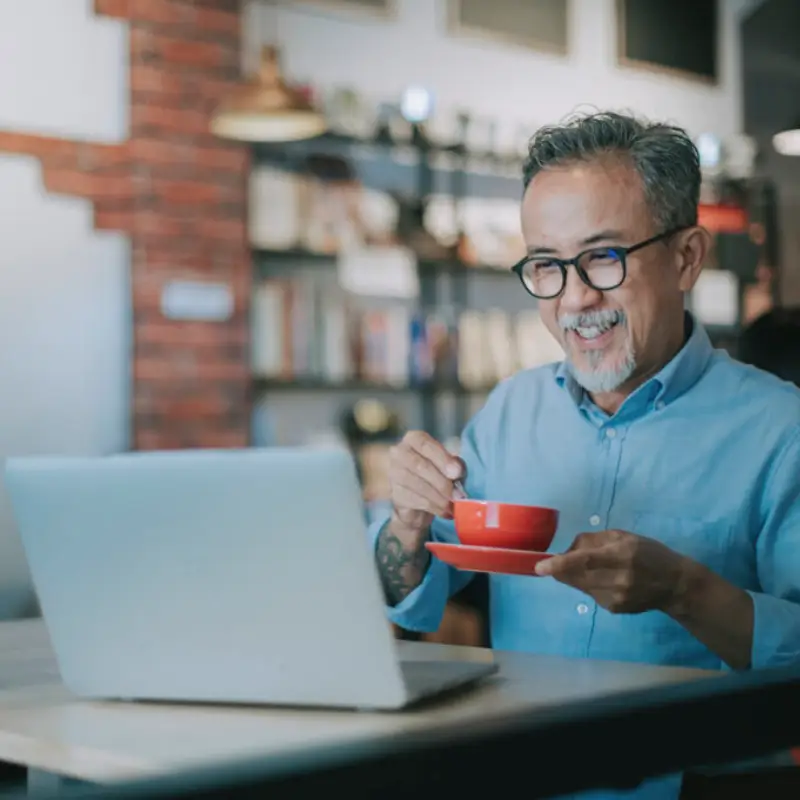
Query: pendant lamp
[267,109]
[787,142]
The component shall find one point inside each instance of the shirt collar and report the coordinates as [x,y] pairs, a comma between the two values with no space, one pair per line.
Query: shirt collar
[673,380]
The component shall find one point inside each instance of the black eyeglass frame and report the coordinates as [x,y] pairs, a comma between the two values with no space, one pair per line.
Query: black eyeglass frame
[562,263]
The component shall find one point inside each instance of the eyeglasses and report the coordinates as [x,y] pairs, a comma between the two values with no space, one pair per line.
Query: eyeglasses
[600,268]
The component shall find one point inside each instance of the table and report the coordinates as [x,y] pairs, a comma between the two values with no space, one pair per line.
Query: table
[56,735]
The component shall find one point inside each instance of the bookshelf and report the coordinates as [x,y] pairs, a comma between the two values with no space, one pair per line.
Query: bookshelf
[446,356]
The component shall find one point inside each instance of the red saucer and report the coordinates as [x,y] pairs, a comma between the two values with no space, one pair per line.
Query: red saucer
[487,559]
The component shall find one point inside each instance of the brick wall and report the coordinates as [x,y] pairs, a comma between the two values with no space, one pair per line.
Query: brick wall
[180,195]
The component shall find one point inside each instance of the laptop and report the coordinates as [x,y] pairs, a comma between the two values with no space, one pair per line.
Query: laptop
[221,576]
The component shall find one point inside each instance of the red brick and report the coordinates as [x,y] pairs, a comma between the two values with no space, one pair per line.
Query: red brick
[202,334]
[208,405]
[142,44]
[170,50]
[159,256]
[154,78]
[210,19]
[138,222]
[163,12]
[113,220]
[178,362]
[154,120]
[40,146]
[102,157]
[227,158]
[193,54]
[113,8]
[156,440]
[173,12]
[91,186]
[192,193]
[226,439]
[233,230]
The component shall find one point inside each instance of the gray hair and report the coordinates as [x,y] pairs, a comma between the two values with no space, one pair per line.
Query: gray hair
[664,156]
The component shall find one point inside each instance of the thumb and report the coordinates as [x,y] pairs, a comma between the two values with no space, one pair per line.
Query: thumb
[456,469]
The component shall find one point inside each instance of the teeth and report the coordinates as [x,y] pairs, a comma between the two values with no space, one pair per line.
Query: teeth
[589,333]
[593,331]
[590,326]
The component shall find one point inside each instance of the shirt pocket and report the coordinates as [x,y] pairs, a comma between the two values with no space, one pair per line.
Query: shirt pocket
[707,541]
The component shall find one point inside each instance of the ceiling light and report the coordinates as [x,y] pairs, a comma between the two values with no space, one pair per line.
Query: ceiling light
[267,109]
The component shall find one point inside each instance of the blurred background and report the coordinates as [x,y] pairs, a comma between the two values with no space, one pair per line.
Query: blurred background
[235,224]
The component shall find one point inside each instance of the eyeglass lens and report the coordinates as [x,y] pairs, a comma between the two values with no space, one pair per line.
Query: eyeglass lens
[603,267]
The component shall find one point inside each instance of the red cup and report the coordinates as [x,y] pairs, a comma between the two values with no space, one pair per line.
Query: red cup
[486,523]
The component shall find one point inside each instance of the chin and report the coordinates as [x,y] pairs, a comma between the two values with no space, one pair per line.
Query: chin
[604,374]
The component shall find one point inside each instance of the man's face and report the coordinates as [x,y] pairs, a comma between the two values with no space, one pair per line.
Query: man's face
[610,338]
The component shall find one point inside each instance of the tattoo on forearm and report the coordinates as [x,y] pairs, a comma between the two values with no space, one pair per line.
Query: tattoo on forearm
[401,569]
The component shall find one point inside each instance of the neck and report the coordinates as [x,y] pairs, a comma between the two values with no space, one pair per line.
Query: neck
[610,402]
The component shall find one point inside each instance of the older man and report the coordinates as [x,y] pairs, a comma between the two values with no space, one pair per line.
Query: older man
[676,469]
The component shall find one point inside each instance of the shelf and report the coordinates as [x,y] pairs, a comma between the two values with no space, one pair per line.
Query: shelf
[419,145]
[365,387]
[320,260]
[295,256]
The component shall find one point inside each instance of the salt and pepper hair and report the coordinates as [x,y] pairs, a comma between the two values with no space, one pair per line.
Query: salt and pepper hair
[664,156]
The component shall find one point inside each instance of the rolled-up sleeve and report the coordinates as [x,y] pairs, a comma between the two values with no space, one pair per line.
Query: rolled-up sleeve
[776,633]
[422,609]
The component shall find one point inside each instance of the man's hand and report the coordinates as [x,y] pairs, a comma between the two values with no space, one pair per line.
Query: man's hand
[623,572]
[421,475]
[628,574]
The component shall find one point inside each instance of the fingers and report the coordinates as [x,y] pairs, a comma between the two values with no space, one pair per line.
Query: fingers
[421,473]
[426,446]
[409,469]
[574,565]
[419,496]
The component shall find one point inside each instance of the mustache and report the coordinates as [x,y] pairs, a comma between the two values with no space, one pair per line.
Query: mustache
[590,319]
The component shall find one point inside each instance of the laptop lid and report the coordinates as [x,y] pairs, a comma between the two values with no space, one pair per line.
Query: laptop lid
[232,576]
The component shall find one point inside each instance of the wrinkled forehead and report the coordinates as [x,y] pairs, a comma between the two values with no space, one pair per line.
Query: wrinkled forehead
[564,206]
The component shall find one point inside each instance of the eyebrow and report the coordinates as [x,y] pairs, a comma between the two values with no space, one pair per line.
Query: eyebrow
[596,238]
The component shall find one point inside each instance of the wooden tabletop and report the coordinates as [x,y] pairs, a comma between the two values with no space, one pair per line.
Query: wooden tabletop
[43,727]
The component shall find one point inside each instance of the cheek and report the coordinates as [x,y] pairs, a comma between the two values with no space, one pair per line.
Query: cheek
[637,307]
[547,311]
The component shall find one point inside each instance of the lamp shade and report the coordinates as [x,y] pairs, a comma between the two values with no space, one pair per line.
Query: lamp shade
[787,142]
[266,109]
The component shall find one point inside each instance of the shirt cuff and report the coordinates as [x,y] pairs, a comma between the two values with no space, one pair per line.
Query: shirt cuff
[423,608]
[776,631]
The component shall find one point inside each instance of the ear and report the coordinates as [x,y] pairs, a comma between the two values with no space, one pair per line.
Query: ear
[692,250]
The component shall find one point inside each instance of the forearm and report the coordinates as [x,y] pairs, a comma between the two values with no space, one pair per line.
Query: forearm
[716,612]
[402,561]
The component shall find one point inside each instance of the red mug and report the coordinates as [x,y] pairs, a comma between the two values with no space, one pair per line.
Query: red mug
[487,523]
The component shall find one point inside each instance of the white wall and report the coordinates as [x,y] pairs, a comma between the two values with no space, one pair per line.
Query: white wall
[510,84]
[64,70]
[64,295]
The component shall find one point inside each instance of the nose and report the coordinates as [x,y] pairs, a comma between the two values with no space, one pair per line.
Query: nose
[577,296]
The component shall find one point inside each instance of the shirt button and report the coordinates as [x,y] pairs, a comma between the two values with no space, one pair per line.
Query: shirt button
[583,608]
[660,405]
[594,519]
[610,433]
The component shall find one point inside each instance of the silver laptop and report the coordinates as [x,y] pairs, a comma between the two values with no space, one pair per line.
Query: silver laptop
[233,576]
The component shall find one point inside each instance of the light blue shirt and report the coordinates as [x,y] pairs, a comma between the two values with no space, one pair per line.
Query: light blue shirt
[704,456]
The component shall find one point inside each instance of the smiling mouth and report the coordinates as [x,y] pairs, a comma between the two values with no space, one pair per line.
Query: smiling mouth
[598,334]
[595,331]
